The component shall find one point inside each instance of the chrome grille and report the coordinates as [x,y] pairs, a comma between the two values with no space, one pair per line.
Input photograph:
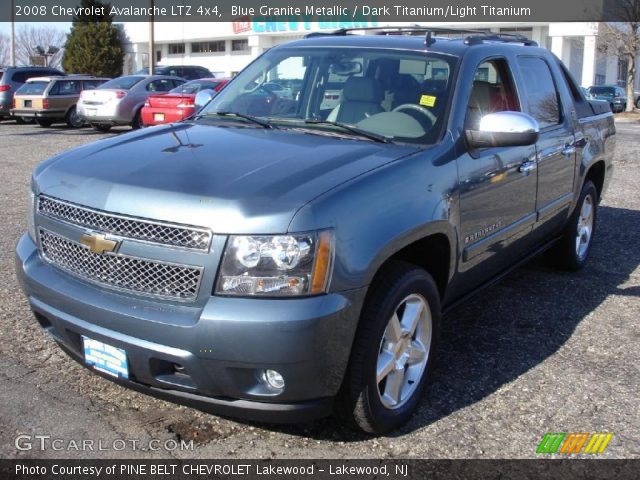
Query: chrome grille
[123,226]
[122,272]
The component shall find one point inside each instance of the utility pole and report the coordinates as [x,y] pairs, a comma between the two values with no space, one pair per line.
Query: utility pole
[151,41]
[12,42]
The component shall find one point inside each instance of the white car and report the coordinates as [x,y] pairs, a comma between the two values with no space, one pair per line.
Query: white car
[120,101]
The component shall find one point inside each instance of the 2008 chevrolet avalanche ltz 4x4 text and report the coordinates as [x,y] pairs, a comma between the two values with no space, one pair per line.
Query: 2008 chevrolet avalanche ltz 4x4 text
[281,257]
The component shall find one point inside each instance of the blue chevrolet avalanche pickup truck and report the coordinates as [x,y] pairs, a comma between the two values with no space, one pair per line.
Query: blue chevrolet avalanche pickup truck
[282,256]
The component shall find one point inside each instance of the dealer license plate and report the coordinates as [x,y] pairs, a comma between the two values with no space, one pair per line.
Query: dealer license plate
[105,358]
[158,117]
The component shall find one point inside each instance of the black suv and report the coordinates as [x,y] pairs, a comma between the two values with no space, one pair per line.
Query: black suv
[12,78]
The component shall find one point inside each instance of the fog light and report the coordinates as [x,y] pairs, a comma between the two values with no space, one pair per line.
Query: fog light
[273,379]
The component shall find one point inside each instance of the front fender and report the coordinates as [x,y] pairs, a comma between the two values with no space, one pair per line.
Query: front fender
[377,214]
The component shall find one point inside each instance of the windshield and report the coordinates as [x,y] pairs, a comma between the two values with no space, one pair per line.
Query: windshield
[32,88]
[601,90]
[399,96]
[195,86]
[122,83]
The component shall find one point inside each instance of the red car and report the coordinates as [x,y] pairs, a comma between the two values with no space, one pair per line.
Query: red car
[179,103]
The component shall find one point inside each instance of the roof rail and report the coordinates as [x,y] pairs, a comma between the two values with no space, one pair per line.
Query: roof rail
[500,37]
[474,37]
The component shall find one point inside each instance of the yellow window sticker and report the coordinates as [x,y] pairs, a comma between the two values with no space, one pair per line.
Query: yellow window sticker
[427,100]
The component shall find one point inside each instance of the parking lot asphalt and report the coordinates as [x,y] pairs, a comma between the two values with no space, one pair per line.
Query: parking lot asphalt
[541,351]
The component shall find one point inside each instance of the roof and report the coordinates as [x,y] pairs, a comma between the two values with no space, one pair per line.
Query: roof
[397,40]
[27,67]
[50,78]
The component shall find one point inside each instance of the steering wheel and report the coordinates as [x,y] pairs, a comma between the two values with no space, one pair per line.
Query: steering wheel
[412,107]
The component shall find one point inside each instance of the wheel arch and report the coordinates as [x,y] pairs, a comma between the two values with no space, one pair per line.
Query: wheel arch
[434,252]
[596,173]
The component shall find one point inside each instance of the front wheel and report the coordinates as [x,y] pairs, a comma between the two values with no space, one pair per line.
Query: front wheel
[393,350]
[572,251]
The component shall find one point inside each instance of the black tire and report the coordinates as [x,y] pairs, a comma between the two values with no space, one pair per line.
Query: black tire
[638,103]
[44,122]
[359,403]
[72,118]
[24,120]
[136,123]
[101,127]
[566,253]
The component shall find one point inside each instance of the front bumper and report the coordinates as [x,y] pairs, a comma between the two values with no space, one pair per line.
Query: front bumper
[221,348]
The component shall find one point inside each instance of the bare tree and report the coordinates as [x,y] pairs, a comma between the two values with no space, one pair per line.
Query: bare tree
[29,37]
[622,38]
[4,49]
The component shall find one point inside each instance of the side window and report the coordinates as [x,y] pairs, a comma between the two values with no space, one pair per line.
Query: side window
[55,89]
[540,91]
[177,83]
[68,87]
[492,91]
[19,77]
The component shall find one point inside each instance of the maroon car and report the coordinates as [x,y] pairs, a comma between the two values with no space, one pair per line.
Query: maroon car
[179,103]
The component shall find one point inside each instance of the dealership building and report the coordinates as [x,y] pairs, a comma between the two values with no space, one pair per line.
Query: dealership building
[225,48]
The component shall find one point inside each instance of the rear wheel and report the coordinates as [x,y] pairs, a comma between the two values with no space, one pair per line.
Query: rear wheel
[43,122]
[24,120]
[101,127]
[393,351]
[136,123]
[572,251]
[73,119]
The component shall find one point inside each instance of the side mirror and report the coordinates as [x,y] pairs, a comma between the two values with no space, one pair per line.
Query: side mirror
[504,129]
[203,97]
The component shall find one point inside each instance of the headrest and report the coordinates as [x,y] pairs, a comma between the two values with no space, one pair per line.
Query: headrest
[362,89]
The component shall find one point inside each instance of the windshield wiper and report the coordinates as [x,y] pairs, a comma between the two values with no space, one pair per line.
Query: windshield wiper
[350,128]
[256,120]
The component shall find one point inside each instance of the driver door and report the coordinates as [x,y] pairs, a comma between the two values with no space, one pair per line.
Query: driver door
[498,184]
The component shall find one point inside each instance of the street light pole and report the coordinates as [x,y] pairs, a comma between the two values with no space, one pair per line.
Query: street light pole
[151,40]
[12,42]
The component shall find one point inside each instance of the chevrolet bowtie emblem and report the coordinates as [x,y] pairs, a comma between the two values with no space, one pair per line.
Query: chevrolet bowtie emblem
[97,243]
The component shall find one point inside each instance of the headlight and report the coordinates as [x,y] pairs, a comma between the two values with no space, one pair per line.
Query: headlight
[31,226]
[276,266]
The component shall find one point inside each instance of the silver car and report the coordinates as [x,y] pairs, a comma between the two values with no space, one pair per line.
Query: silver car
[120,101]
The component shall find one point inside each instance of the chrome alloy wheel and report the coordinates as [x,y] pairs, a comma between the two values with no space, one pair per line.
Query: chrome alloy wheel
[404,351]
[584,229]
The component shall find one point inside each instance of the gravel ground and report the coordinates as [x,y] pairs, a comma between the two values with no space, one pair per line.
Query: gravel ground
[541,351]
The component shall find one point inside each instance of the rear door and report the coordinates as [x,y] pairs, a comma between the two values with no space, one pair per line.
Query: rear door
[64,94]
[556,149]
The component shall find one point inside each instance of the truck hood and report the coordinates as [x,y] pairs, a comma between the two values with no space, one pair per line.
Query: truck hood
[232,179]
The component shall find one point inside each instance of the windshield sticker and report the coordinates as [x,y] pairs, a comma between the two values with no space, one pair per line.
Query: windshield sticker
[427,100]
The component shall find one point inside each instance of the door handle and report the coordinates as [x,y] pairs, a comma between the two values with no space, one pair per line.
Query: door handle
[527,166]
[569,150]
